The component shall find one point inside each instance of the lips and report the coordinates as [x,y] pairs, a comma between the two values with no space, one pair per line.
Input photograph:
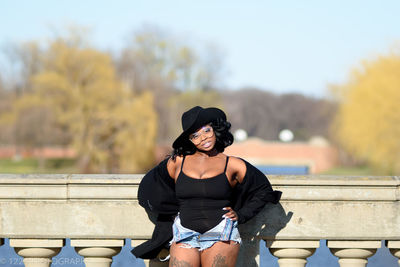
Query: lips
[207,144]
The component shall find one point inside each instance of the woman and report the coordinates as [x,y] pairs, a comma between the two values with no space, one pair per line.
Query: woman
[203,193]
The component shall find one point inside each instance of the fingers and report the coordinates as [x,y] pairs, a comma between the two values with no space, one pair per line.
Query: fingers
[231,214]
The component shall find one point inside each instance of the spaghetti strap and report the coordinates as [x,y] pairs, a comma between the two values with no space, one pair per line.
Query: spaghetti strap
[183,161]
[226,164]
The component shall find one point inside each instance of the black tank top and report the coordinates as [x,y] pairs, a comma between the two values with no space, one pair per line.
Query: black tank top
[201,200]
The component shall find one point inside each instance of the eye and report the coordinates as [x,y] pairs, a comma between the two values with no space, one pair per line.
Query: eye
[208,129]
[195,136]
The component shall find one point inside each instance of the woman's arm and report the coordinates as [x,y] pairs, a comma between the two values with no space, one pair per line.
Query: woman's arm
[156,190]
[238,169]
[236,173]
[253,192]
[173,166]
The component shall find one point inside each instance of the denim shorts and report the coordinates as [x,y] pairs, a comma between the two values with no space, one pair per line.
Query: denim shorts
[226,230]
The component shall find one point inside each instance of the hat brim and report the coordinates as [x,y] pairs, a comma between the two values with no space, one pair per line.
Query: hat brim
[204,117]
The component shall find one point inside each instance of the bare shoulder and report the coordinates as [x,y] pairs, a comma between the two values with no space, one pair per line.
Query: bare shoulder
[173,165]
[238,167]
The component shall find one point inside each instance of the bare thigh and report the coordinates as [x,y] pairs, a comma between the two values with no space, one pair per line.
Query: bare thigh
[181,255]
[221,254]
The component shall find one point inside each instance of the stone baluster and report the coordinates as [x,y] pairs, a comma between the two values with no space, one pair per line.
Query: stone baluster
[153,262]
[37,252]
[97,252]
[292,253]
[353,253]
[394,247]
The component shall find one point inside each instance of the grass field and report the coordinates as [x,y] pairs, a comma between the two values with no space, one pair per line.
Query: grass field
[33,166]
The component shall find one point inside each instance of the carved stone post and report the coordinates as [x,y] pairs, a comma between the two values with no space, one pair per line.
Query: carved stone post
[394,247]
[37,252]
[353,253]
[97,252]
[154,262]
[292,253]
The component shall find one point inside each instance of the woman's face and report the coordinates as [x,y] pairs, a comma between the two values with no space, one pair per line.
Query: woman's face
[204,138]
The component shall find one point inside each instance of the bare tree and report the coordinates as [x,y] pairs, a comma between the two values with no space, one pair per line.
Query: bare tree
[265,114]
[23,61]
[155,60]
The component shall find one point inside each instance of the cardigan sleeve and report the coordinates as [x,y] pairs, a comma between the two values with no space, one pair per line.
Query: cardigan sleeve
[156,194]
[253,193]
[157,190]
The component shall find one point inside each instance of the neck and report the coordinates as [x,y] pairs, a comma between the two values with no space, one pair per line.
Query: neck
[211,153]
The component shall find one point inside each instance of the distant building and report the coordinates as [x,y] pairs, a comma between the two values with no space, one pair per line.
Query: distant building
[44,152]
[314,156]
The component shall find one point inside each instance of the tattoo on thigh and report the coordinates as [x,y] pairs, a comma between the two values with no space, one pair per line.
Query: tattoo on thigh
[174,262]
[219,261]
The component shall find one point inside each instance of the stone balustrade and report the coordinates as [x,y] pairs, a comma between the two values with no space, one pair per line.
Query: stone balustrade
[98,212]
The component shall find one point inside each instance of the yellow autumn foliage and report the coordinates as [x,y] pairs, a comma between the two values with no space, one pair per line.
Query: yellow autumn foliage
[112,129]
[368,119]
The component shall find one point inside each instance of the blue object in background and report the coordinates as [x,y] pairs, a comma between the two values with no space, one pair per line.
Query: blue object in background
[283,169]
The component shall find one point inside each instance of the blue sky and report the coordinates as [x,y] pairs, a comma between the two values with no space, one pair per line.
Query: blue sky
[282,46]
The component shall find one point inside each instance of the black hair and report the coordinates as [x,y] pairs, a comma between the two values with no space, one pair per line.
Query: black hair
[223,137]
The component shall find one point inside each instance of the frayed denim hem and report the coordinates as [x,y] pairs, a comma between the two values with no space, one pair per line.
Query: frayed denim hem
[205,245]
[226,230]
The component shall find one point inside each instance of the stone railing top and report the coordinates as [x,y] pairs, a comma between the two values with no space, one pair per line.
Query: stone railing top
[105,206]
[70,178]
[124,186]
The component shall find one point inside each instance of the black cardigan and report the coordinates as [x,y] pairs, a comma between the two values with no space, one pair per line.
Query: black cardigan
[157,194]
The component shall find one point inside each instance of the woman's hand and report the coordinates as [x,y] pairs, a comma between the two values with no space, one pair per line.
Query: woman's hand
[231,214]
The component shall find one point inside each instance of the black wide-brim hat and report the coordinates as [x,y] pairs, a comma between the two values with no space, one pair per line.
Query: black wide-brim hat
[195,118]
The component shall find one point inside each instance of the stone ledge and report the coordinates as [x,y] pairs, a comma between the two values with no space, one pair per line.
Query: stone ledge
[124,186]
[105,206]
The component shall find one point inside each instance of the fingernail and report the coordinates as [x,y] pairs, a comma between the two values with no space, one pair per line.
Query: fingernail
[223,208]
[223,216]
